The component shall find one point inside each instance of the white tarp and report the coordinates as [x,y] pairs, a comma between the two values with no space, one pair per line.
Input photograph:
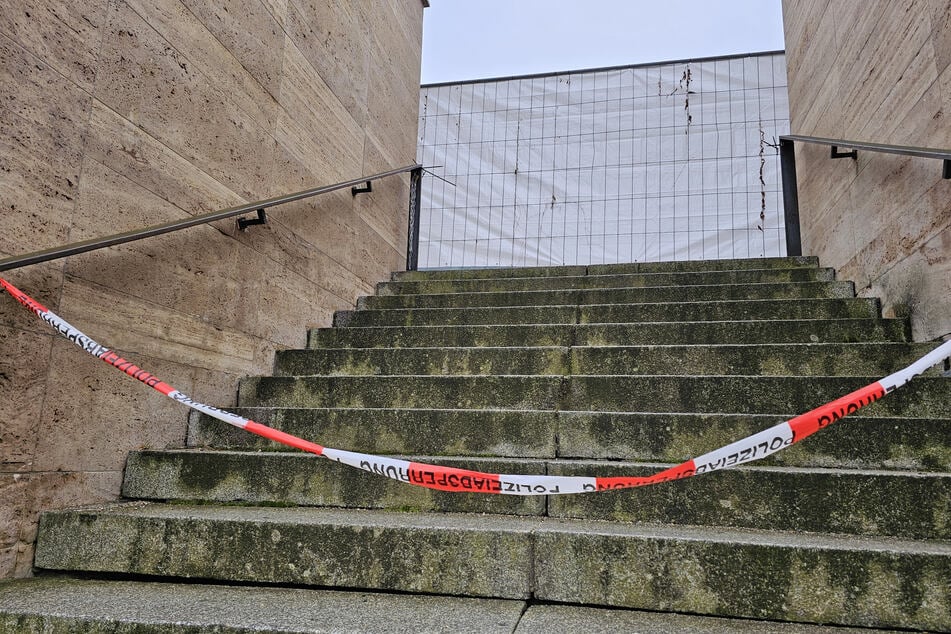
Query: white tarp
[664,162]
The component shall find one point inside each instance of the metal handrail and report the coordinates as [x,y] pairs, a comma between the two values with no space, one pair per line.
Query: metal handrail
[787,166]
[139,234]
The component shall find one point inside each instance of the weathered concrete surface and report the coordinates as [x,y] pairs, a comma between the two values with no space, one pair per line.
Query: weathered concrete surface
[864,359]
[856,442]
[447,361]
[120,115]
[22,493]
[543,619]
[878,72]
[441,553]
[693,278]
[703,265]
[812,578]
[927,396]
[105,607]
[101,607]
[616,313]
[434,392]
[699,292]
[709,333]
[795,577]
[885,503]
[297,479]
[457,316]
[847,527]
[508,433]
[868,359]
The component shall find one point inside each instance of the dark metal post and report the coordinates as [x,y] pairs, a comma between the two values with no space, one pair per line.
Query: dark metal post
[415,202]
[787,167]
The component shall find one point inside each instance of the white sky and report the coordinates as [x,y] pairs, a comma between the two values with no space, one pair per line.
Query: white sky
[475,39]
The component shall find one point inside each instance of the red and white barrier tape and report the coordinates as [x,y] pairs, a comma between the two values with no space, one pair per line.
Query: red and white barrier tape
[749,449]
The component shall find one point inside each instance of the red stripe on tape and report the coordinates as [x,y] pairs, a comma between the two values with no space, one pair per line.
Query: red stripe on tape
[453,479]
[23,298]
[683,470]
[809,423]
[283,438]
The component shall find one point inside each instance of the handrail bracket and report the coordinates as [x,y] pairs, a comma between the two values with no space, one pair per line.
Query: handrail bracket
[244,223]
[836,154]
[946,170]
[366,189]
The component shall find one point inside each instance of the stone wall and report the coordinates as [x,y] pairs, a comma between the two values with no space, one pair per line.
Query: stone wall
[876,71]
[119,114]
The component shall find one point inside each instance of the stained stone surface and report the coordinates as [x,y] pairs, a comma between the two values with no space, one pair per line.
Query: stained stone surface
[123,115]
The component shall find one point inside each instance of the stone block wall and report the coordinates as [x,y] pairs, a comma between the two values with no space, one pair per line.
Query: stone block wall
[876,71]
[119,114]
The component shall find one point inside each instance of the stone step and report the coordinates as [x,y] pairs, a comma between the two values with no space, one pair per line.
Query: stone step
[927,396]
[835,359]
[846,308]
[863,359]
[440,392]
[421,361]
[636,280]
[859,441]
[64,604]
[911,505]
[712,292]
[547,618]
[299,479]
[611,269]
[848,580]
[673,333]
[486,432]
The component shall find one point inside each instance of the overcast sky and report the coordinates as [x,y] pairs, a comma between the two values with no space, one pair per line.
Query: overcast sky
[475,39]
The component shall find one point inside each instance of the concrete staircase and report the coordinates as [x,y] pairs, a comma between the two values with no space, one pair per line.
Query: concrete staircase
[600,370]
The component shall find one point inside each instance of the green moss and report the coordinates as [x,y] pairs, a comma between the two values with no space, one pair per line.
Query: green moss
[811,595]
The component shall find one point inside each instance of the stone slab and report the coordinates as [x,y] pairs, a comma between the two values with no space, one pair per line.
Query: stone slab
[925,397]
[643,280]
[283,479]
[788,577]
[619,295]
[429,553]
[508,433]
[543,619]
[475,392]
[899,504]
[857,442]
[423,361]
[62,604]
[714,332]
[874,582]
[616,313]
[853,359]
